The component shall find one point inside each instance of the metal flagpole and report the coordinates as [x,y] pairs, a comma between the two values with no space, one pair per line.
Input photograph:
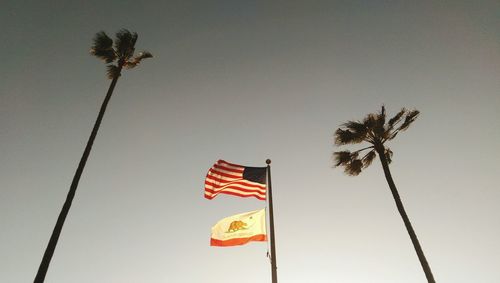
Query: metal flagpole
[271,224]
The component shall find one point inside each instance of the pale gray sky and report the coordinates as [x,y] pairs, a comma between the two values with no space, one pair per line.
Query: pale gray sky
[245,82]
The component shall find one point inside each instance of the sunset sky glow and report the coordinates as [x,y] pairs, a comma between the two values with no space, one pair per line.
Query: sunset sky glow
[244,82]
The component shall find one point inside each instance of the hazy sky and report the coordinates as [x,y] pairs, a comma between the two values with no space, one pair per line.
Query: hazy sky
[244,82]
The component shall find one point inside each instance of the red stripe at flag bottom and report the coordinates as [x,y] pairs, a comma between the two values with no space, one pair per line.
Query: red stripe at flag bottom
[237,241]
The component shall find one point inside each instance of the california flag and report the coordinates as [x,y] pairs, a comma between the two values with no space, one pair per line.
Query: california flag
[240,229]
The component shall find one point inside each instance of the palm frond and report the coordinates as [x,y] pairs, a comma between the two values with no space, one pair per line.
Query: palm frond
[107,55]
[125,43]
[410,117]
[342,158]
[368,158]
[102,47]
[349,160]
[394,120]
[357,128]
[369,121]
[112,71]
[354,167]
[102,41]
[143,55]
[388,155]
[343,137]
[373,130]
[137,59]
[351,132]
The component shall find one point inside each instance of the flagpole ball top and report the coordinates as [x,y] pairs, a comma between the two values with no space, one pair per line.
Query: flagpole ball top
[268,161]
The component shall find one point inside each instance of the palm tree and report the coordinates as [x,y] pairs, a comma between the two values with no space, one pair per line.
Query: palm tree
[375,131]
[118,55]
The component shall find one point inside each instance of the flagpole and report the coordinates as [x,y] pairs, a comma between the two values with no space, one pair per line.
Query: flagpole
[271,224]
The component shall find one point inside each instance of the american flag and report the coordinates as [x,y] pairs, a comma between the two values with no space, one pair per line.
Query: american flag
[236,180]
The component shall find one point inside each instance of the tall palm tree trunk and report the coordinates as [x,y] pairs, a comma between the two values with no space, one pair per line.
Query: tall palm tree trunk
[406,220]
[49,251]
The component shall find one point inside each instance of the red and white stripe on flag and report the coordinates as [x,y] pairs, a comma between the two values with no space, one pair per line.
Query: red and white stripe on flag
[228,178]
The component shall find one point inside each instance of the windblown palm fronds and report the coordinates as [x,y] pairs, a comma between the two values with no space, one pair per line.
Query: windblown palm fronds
[375,131]
[121,52]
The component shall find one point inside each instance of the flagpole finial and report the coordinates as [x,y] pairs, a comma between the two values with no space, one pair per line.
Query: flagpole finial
[268,161]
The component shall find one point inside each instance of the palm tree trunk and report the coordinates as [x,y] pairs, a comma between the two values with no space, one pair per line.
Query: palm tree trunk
[49,251]
[406,220]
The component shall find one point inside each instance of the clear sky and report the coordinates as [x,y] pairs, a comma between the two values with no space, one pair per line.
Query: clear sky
[245,82]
